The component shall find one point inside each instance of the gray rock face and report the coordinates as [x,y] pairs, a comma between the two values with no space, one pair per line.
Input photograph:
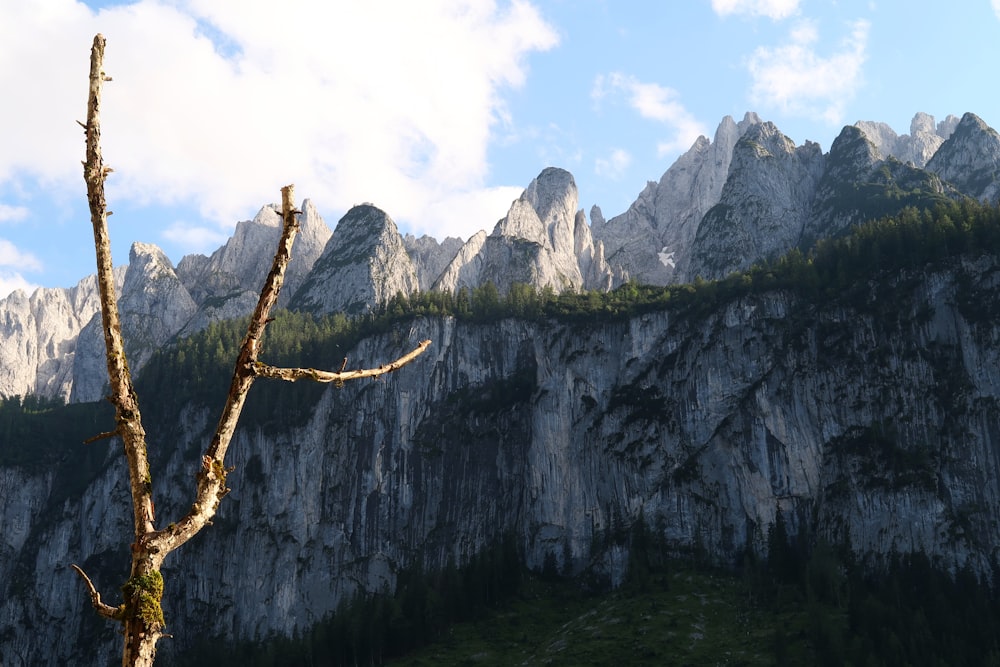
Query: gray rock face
[231,278]
[364,264]
[859,184]
[918,146]
[153,307]
[763,206]
[970,159]
[52,344]
[429,257]
[652,241]
[746,196]
[707,426]
[542,241]
[38,335]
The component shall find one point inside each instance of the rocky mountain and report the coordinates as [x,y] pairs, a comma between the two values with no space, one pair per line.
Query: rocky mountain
[865,415]
[544,240]
[430,258]
[970,159]
[748,195]
[763,205]
[363,265]
[52,342]
[866,418]
[752,194]
[653,239]
[153,306]
[227,284]
[39,337]
[918,146]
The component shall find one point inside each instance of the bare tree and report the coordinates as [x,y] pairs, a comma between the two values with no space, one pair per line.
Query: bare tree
[141,613]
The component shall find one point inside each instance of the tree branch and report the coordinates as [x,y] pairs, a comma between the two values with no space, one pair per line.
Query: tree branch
[142,613]
[293,374]
[212,476]
[105,610]
[127,416]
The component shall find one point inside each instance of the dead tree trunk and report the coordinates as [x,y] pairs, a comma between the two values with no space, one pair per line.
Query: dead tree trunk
[140,612]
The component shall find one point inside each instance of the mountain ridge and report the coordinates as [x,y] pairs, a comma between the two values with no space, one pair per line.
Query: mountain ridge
[705,217]
[862,416]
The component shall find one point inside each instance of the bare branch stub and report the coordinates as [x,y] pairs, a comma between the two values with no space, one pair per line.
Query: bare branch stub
[293,374]
[103,609]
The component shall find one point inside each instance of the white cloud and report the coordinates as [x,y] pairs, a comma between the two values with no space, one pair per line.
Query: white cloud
[772,9]
[996,7]
[654,102]
[221,102]
[12,213]
[195,238]
[614,165]
[12,257]
[795,79]
[462,214]
[12,280]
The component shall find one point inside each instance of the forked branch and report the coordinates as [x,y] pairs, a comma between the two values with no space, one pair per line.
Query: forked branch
[141,613]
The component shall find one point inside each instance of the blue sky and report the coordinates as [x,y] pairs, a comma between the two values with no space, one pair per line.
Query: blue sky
[439,112]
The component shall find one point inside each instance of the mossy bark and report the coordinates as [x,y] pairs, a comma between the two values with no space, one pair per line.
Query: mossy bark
[141,612]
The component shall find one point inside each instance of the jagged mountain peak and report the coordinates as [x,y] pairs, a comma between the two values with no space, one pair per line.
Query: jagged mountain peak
[146,261]
[970,159]
[429,257]
[235,272]
[153,305]
[918,146]
[791,195]
[763,206]
[553,195]
[545,212]
[364,264]
[543,241]
[652,240]
[852,153]
[765,139]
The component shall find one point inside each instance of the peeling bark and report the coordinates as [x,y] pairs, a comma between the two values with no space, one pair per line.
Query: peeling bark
[141,613]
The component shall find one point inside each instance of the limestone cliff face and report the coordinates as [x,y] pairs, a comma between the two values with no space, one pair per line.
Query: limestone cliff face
[153,306]
[429,257]
[867,418]
[363,265]
[652,241]
[917,147]
[543,241]
[38,337]
[235,272]
[51,344]
[859,184]
[763,205]
[747,196]
[971,159]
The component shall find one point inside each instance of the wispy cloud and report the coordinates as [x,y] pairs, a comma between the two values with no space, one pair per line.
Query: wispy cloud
[797,80]
[214,103]
[652,101]
[614,165]
[12,280]
[11,256]
[196,238]
[996,7]
[12,213]
[773,9]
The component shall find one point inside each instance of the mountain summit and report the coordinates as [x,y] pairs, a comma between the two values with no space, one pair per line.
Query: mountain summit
[544,240]
[748,195]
